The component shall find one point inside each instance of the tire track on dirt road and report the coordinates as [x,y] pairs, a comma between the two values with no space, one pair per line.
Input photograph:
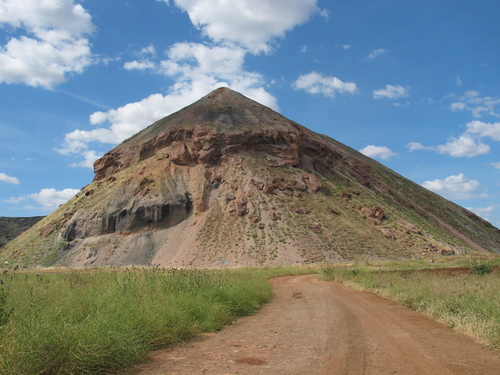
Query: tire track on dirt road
[318,327]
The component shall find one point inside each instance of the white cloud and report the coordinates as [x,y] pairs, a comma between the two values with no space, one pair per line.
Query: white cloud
[54,44]
[316,83]
[148,51]
[468,144]
[483,129]
[139,65]
[458,106]
[391,92]
[252,24]
[463,146]
[47,199]
[413,146]
[382,152]
[9,179]
[89,157]
[189,61]
[455,187]
[478,106]
[50,198]
[346,46]
[496,165]
[376,53]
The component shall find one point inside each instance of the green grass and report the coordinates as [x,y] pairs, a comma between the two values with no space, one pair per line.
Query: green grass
[91,322]
[468,301]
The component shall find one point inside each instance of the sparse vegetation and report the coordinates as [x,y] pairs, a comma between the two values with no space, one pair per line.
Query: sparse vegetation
[466,296]
[96,321]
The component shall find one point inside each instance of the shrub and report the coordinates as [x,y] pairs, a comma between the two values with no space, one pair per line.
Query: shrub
[481,269]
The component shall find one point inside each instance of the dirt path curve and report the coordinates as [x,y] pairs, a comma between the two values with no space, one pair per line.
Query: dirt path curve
[317,327]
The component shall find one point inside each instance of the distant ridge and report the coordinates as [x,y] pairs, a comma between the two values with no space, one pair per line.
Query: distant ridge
[11,227]
[229,182]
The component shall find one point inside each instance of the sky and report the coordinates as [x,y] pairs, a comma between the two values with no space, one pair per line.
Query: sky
[412,84]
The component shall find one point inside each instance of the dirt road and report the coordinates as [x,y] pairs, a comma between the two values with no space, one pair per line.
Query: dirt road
[317,327]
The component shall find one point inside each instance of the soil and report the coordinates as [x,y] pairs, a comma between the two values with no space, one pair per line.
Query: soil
[318,327]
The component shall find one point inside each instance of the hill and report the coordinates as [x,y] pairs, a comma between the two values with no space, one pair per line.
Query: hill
[229,182]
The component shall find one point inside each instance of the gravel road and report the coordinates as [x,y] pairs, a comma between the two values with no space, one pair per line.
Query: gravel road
[317,327]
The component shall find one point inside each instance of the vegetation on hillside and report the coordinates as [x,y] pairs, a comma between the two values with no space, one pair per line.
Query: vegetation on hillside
[465,296]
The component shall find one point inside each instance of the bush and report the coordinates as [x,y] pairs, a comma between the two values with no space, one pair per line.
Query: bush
[481,269]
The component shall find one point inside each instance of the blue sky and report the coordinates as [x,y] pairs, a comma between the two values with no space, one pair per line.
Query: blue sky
[415,85]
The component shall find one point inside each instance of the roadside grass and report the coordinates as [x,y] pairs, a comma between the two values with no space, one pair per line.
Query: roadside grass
[465,296]
[97,321]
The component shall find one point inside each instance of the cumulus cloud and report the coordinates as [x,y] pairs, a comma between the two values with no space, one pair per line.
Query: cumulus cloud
[477,105]
[252,24]
[236,29]
[53,41]
[50,198]
[468,144]
[463,146]
[455,187]
[193,60]
[382,152]
[391,92]
[46,199]
[9,179]
[376,53]
[484,129]
[316,83]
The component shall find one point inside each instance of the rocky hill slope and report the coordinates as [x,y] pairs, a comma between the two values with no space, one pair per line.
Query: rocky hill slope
[229,182]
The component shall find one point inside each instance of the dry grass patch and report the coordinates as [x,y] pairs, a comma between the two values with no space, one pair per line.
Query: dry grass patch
[467,298]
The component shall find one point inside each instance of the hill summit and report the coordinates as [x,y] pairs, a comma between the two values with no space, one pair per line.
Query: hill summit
[227,181]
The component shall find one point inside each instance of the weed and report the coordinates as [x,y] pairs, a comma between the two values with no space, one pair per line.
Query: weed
[5,312]
[480,268]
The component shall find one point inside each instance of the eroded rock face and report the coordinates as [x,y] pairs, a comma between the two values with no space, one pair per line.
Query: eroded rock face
[158,216]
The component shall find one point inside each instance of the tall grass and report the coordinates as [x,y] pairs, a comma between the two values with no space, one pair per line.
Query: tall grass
[467,300]
[99,321]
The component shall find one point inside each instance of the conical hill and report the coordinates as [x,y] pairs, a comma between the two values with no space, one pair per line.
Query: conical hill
[227,181]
